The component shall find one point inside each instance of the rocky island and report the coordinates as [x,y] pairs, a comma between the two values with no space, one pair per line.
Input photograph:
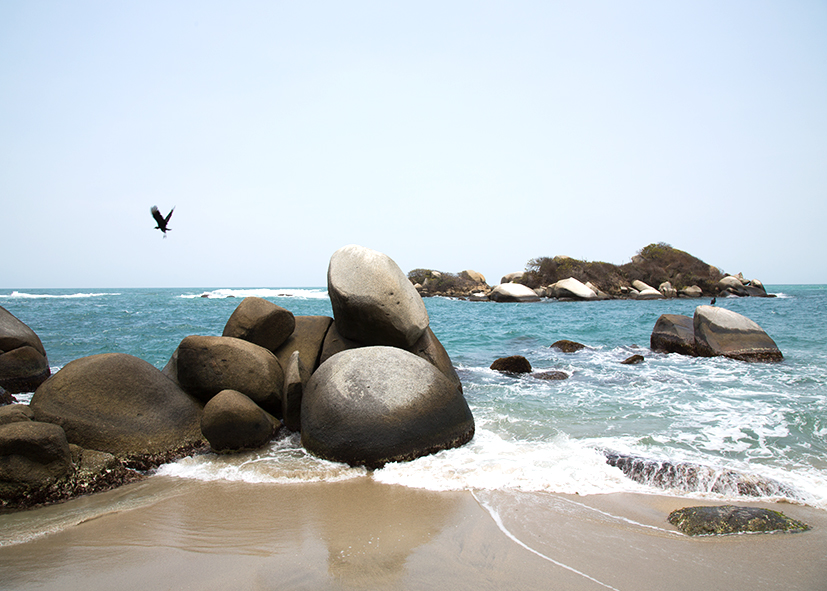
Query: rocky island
[657,271]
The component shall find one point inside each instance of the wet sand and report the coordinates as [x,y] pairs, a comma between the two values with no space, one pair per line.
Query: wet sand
[167,533]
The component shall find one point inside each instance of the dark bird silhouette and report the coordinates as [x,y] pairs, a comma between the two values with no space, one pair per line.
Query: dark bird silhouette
[712,303]
[161,220]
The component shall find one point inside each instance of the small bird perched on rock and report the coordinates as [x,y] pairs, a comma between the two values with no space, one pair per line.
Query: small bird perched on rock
[712,303]
[161,220]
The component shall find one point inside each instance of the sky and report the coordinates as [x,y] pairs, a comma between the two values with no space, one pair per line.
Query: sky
[448,135]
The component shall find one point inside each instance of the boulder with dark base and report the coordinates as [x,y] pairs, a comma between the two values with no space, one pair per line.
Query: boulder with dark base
[633,360]
[673,333]
[233,422]
[512,292]
[373,301]
[261,322]
[291,402]
[119,404]
[571,289]
[512,364]
[719,331]
[374,405]
[728,519]
[33,455]
[23,363]
[207,365]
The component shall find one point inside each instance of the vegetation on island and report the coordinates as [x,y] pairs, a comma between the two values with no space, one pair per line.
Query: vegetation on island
[653,264]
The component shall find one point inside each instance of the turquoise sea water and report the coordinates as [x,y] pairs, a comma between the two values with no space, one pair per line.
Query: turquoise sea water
[767,420]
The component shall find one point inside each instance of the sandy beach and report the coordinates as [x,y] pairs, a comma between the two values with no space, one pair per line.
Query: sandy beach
[167,533]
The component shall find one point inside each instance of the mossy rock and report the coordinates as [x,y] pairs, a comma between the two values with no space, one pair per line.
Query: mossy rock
[728,519]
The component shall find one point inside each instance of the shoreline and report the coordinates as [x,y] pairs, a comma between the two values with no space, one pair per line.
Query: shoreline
[165,532]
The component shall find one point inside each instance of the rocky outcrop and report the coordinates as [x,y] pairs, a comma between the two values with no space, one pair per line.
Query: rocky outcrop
[207,365]
[512,277]
[693,291]
[23,362]
[119,404]
[667,290]
[736,285]
[719,331]
[673,333]
[232,422]
[261,322]
[728,519]
[713,332]
[307,339]
[374,405]
[373,301]
[514,364]
[512,292]
[633,360]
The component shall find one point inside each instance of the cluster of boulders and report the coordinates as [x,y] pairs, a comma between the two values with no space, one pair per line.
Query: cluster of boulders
[712,332]
[369,386]
[23,362]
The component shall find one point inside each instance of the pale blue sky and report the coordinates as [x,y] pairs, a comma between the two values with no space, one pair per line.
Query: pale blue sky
[449,135]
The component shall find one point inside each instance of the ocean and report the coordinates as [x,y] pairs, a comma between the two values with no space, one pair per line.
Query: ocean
[722,417]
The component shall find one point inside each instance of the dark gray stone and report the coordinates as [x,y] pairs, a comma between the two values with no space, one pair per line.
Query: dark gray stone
[233,422]
[719,331]
[207,365]
[119,404]
[512,364]
[262,322]
[567,346]
[673,333]
[374,405]
[291,406]
[32,456]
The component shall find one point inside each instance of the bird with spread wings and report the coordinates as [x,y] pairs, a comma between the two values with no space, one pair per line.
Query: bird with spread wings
[161,220]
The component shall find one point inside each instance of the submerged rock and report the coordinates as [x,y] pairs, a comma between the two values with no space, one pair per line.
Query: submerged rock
[567,346]
[728,519]
[374,405]
[633,360]
[550,375]
[512,364]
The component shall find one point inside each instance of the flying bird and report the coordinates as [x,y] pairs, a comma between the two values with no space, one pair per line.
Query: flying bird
[161,220]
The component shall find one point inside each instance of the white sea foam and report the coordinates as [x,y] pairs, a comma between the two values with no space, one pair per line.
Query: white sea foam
[69,296]
[307,294]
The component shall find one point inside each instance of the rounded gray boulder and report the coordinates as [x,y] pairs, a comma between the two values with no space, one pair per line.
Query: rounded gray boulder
[373,301]
[374,405]
[673,333]
[32,455]
[119,404]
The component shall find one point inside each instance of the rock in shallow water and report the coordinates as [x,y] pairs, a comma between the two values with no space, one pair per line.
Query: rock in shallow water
[374,405]
[728,519]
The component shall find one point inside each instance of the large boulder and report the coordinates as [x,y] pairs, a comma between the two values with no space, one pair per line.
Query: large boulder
[667,290]
[308,339]
[15,413]
[373,301]
[233,422]
[374,405]
[261,322]
[207,365]
[291,402]
[512,277]
[23,362]
[732,284]
[693,291]
[571,289]
[119,404]
[719,331]
[513,292]
[673,333]
[431,350]
[32,456]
